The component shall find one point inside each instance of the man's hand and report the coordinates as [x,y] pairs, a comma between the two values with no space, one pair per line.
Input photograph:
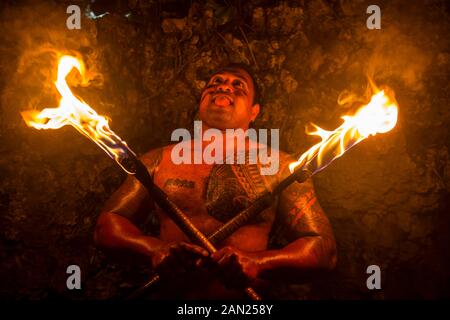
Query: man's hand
[174,259]
[237,268]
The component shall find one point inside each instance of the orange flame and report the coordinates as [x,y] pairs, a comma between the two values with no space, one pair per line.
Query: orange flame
[72,111]
[378,116]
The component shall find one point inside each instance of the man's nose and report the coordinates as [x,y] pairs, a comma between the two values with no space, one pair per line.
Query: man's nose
[224,86]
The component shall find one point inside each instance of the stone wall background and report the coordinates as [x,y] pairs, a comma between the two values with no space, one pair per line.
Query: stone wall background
[147,60]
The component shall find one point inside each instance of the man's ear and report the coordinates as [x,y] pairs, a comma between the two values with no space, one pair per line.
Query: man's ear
[255,111]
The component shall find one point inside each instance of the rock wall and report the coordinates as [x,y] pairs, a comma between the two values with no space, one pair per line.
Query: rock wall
[147,62]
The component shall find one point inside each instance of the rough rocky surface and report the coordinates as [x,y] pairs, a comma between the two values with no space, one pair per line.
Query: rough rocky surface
[387,198]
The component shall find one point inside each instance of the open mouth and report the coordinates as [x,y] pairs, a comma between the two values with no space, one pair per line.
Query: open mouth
[222,99]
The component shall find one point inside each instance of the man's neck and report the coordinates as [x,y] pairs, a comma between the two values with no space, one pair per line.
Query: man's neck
[230,143]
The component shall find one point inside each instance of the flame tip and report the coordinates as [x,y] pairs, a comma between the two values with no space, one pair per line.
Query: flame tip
[379,115]
[75,112]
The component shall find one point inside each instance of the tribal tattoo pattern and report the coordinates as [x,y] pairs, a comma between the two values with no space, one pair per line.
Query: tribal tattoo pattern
[300,214]
[232,188]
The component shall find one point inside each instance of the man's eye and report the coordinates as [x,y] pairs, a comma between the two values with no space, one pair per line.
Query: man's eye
[238,84]
[217,80]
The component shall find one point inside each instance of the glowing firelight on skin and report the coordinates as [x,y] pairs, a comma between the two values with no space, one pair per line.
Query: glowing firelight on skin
[72,111]
[378,116]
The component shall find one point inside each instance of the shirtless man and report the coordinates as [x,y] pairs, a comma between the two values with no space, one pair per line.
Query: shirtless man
[211,194]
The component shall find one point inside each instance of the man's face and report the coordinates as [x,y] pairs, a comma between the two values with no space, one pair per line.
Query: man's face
[227,100]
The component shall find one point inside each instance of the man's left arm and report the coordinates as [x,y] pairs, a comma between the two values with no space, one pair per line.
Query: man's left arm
[303,223]
[311,249]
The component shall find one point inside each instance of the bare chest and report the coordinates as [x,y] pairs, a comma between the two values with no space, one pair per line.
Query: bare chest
[212,194]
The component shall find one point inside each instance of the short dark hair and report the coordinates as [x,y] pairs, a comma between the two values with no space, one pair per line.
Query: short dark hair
[248,70]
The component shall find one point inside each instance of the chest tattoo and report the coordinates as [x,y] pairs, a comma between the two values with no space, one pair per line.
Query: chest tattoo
[232,188]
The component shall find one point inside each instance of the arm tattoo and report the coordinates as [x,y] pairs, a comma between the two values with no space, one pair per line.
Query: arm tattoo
[300,213]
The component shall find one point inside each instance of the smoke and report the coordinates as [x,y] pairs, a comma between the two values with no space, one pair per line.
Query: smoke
[396,49]
[35,35]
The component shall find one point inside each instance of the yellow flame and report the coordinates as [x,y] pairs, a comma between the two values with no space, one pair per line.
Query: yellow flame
[72,111]
[378,116]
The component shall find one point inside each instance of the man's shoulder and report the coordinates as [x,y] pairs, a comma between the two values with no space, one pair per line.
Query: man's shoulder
[259,145]
[284,158]
[158,152]
[154,156]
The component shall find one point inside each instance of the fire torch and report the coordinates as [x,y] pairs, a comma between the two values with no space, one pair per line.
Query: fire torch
[378,116]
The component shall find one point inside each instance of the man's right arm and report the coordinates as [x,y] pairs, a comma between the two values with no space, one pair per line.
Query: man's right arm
[116,229]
